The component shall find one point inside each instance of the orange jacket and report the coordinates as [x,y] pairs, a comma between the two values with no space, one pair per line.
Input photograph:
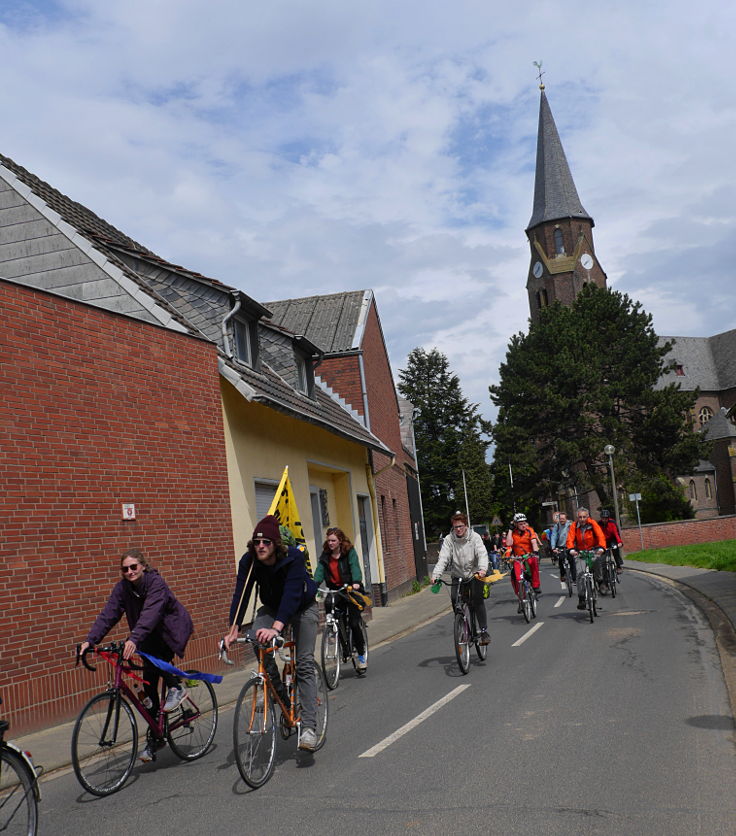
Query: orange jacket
[522,543]
[586,537]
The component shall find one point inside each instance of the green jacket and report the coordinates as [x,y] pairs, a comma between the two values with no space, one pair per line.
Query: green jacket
[348,566]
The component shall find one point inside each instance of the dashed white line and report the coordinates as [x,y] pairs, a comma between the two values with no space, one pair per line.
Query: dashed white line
[407,727]
[561,599]
[527,634]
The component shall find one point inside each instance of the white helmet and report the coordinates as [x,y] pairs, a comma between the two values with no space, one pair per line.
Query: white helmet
[519,518]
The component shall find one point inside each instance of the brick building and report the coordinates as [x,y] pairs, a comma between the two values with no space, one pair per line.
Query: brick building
[356,367]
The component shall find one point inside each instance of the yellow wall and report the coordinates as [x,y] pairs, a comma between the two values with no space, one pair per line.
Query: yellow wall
[260,442]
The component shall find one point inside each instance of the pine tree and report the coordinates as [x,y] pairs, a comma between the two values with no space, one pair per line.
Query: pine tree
[449,438]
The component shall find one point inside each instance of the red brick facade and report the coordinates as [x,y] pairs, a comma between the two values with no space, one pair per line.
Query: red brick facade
[99,410]
[680,533]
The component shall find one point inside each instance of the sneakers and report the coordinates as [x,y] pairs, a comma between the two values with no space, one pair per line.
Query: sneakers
[581,603]
[308,740]
[484,637]
[149,750]
[174,698]
[361,663]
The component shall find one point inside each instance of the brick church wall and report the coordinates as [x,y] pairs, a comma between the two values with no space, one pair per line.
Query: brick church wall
[97,410]
[679,533]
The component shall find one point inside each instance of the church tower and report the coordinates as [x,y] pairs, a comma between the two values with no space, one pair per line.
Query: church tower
[560,231]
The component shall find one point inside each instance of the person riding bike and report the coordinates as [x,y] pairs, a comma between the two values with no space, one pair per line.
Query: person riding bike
[464,556]
[585,535]
[613,538]
[339,565]
[288,595]
[558,542]
[522,540]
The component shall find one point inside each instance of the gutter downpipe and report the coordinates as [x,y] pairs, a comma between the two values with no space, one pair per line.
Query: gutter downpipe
[223,326]
[370,476]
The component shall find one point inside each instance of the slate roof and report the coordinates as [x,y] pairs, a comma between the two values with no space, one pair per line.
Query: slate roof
[555,195]
[200,303]
[708,363]
[333,321]
[719,426]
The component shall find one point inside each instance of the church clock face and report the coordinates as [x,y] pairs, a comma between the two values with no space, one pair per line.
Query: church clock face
[586,259]
[537,270]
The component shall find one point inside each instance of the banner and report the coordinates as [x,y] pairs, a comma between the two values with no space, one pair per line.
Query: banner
[284,509]
[169,668]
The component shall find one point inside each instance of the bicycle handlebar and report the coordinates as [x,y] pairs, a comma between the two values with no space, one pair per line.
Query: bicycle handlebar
[114,648]
[249,638]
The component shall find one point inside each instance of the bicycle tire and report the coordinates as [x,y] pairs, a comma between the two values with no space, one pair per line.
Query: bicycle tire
[524,598]
[480,649]
[323,707]
[612,583]
[18,803]
[364,632]
[190,729]
[533,603]
[331,656]
[589,598]
[462,644]
[254,733]
[103,767]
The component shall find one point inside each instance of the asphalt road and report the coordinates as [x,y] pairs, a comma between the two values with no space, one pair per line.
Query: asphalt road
[622,726]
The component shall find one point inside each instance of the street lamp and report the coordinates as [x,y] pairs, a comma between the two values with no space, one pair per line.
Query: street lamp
[609,450]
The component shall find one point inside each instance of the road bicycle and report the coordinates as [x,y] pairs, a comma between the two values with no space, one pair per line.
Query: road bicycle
[590,587]
[465,628]
[524,591]
[19,789]
[254,724]
[337,637]
[610,576]
[565,562]
[105,736]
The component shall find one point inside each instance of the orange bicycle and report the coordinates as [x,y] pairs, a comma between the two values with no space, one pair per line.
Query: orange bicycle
[254,725]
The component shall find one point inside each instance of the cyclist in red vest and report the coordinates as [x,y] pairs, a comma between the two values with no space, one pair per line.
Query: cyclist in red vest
[522,539]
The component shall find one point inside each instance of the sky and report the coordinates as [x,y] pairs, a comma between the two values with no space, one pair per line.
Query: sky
[298,148]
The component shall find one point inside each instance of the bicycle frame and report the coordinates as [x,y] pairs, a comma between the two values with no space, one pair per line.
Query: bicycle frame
[339,619]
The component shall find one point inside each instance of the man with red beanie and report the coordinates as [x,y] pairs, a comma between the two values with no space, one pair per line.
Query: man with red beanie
[287,594]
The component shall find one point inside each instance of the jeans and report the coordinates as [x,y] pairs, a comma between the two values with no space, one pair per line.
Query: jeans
[477,604]
[493,559]
[304,625]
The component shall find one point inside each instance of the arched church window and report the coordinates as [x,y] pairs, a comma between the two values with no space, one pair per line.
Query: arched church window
[693,490]
[705,414]
[559,242]
[708,489]
[542,300]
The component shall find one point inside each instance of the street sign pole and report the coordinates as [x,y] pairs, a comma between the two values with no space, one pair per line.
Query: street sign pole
[635,497]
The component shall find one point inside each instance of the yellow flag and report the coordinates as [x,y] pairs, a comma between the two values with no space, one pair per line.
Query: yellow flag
[284,509]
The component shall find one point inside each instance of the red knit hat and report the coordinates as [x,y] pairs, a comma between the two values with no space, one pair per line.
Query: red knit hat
[268,527]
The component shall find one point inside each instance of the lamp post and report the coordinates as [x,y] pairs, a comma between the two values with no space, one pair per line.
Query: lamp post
[609,450]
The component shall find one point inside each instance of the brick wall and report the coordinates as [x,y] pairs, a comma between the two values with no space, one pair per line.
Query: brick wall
[97,410]
[342,375]
[680,533]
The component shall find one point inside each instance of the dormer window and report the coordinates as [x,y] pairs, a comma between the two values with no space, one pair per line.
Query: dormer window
[705,414]
[679,370]
[245,350]
[304,379]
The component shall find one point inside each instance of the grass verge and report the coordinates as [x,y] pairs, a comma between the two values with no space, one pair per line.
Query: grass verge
[720,555]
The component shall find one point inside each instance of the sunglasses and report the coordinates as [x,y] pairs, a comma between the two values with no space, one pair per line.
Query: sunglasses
[131,567]
[264,540]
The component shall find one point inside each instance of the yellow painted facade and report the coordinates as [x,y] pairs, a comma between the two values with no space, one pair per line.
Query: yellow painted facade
[260,442]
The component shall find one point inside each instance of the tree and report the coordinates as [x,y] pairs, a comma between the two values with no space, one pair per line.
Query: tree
[587,375]
[449,438]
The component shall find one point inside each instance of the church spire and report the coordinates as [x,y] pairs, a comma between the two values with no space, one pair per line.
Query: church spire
[555,195]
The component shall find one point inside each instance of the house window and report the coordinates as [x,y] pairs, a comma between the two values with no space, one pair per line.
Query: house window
[708,489]
[302,383]
[559,242]
[265,492]
[693,491]
[679,370]
[705,414]
[243,346]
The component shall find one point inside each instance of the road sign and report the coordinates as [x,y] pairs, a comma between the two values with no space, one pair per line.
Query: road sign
[496,520]
[634,497]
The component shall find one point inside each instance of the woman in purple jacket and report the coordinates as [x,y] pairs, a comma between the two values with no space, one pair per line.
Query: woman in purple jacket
[159,625]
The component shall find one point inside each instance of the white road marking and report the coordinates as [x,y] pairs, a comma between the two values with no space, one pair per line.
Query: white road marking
[562,598]
[407,727]
[556,577]
[527,634]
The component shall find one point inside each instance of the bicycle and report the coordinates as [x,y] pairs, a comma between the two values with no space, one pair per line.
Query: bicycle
[254,724]
[105,736]
[610,576]
[337,638]
[590,586]
[465,630]
[19,789]
[565,563]
[525,592]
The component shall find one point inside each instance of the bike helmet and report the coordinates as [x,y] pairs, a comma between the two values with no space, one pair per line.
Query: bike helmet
[519,518]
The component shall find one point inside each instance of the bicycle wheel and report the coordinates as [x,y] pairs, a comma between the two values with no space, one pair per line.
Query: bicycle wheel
[331,656]
[322,707]
[532,603]
[104,744]
[462,642]
[524,600]
[18,804]
[480,649]
[254,733]
[589,598]
[190,729]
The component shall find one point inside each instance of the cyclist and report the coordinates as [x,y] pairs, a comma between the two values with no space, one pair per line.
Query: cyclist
[339,565]
[522,539]
[287,594]
[613,538]
[464,556]
[159,625]
[585,535]
[558,540]
[492,553]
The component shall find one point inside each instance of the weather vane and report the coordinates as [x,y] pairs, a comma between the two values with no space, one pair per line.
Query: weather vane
[538,65]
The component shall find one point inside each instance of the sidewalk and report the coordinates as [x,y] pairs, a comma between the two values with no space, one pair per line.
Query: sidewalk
[51,747]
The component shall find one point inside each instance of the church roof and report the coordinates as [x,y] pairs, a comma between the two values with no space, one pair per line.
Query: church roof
[555,195]
[705,363]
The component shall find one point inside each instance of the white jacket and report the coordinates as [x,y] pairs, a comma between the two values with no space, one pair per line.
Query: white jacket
[462,556]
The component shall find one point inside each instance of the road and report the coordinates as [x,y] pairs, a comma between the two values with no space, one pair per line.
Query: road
[619,727]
